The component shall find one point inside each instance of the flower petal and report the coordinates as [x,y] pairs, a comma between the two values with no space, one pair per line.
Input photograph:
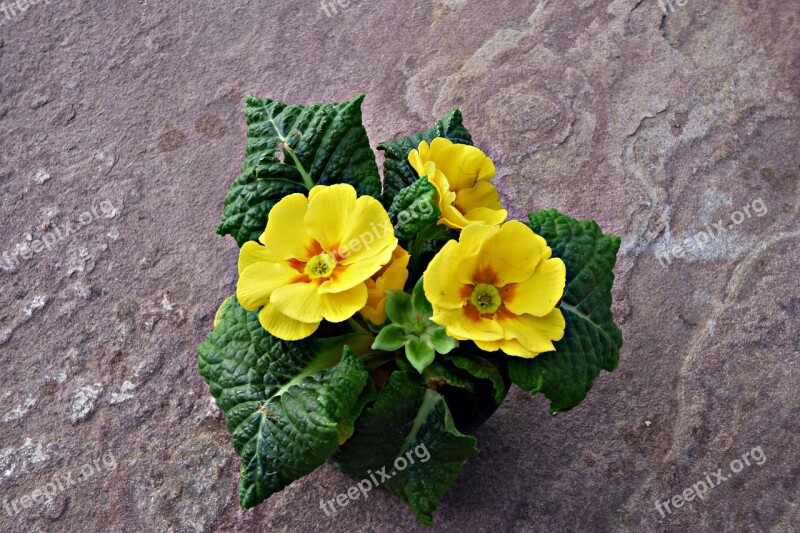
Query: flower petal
[300,301]
[483,194]
[285,236]
[258,281]
[328,216]
[283,327]
[348,276]
[486,215]
[534,333]
[512,253]
[462,325]
[510,347]
[251,253]
[540,293]
[442,286]
[367,234]
[463,165]
[342,305]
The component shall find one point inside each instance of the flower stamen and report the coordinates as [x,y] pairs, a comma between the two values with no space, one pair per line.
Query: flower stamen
[486,298]
[320,266]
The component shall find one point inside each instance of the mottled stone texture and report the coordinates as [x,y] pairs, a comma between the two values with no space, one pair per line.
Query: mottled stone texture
[655,126]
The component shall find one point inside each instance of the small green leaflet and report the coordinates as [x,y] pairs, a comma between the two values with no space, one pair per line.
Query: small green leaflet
[410,326]
[286,404]
[591,340]
[290,148]
[412,422]
[397,171]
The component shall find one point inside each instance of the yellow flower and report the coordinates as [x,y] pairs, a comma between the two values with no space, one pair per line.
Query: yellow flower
[460,173]
[392,277]
[498,286]
[316,256]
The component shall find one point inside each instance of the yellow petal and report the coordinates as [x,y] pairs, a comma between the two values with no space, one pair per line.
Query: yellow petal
[534,333]
[463,327]
[258,281]
[510,347]
[463,165]
[252,253]
[328,215]
[418,158]
[441,282]
[512,253]
[285,236]
[392,277]
[486,215]
[299,301]
[342,305]
[368,233]
[283,327]
[348,276]
[539,294]
[470,252]
[375,313]
[483,194]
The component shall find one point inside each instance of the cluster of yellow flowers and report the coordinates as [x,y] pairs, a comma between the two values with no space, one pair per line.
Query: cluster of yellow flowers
[332,254]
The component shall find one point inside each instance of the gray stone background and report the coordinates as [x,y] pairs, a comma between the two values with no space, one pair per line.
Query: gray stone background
[656,126]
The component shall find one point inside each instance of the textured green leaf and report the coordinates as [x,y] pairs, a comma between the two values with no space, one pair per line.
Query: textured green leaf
[409,421]
[591,340]
[481,368]
[413,208]
[286,404]
[290,147]
[438,374]
[397,172]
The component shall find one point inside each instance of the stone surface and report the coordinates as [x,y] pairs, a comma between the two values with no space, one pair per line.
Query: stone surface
[656,126]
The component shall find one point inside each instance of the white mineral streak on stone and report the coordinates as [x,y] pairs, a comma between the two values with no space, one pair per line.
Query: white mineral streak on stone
[123,394]
[83,401]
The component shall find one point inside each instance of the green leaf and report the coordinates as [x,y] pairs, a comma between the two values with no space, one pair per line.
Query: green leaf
[285,403]
[419,353]
[420,301]
[481,368]
[289,149]
[441,342]
[413,208]
[397,172]
[591,340]
[399,308]
[437,374]
[411,422]
[390,338]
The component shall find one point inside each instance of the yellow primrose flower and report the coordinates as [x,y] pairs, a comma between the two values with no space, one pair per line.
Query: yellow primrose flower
[498,286]
[460,173]
[316,256]
[392,277]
